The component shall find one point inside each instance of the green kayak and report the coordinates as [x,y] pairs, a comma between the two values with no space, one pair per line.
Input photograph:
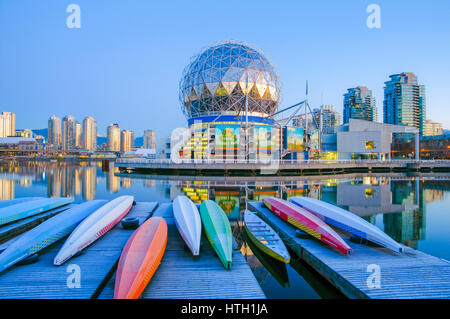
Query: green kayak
[217,230]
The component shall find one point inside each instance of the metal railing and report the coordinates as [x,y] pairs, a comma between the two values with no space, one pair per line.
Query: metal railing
[273,161]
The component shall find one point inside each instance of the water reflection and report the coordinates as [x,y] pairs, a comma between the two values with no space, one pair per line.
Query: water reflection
[264,264]
[400,200]
[397,204]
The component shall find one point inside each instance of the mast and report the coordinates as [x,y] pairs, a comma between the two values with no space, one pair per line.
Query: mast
[306,120]
[246,118]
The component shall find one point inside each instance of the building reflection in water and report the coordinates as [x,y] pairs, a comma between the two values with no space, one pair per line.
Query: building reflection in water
[89,184]
[125,182]
[6,189]
[77,180]
[54,182]
[395,203]
[112,181]
[67,182]
[407,227]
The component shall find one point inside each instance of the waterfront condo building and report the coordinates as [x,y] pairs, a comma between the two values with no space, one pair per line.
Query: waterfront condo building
[78,140]
[89,133]
[68,132]
[24,133]
[54,132]
[126,141]
[359,104]
[431,128]
[7,124]
[323,117]
[404,101]
[149,139]
[113,138]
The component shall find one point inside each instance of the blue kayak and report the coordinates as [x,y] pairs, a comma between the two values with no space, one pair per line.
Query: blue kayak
[10,202]
[26,209]
[47,233]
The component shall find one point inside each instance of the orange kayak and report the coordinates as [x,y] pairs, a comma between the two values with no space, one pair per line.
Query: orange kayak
[140,258]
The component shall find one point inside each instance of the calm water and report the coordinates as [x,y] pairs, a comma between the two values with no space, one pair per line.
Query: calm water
[414,210]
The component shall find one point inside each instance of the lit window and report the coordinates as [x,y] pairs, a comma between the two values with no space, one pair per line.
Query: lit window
[369,192]
[370,145]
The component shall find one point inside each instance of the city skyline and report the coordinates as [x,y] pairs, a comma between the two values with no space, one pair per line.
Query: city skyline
[94,84]
[404,103]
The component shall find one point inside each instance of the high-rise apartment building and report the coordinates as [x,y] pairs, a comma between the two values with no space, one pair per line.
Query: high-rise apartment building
[68,133]
[126,141]
[404,101]
[7,124]
[24,133]
[149,139]
[323,117]
[78,139]
[113,138]
[54,132]
[431,128]
[359,103]
[89,133]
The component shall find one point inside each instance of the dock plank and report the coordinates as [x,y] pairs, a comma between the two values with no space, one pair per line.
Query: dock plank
[413,274]
[43,280]
[181,276]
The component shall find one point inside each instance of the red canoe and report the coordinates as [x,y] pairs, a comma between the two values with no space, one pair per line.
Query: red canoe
[140,258]
[307,222]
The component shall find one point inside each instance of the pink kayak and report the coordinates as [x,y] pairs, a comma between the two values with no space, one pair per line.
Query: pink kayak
[307,222]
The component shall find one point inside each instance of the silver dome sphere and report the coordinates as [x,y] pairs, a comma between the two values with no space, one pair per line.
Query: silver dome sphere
[217,79]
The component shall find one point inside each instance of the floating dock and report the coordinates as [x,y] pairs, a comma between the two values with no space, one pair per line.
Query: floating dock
[92,274]
[182,276]
[81,277]
[401,276]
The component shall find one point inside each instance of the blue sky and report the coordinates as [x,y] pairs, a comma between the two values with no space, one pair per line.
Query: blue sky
[124,64]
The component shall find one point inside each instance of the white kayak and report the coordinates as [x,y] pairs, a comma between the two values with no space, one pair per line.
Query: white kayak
[187,219]
[93,227]
[347,221]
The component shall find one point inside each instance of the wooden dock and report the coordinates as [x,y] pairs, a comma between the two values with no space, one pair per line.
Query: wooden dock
[402,276]
[179,276]
[96,265]
[182,276]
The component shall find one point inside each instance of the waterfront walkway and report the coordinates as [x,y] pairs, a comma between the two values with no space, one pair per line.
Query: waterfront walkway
[275,167]
[410,275]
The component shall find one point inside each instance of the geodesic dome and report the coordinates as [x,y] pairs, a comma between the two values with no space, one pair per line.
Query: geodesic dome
[217,79]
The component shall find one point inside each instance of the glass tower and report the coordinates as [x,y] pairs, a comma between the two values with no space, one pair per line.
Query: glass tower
[113,138]
[68,132]
[90,133]
[404,101]
[126,141]
[359,103]
[149,139]
[54,132]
